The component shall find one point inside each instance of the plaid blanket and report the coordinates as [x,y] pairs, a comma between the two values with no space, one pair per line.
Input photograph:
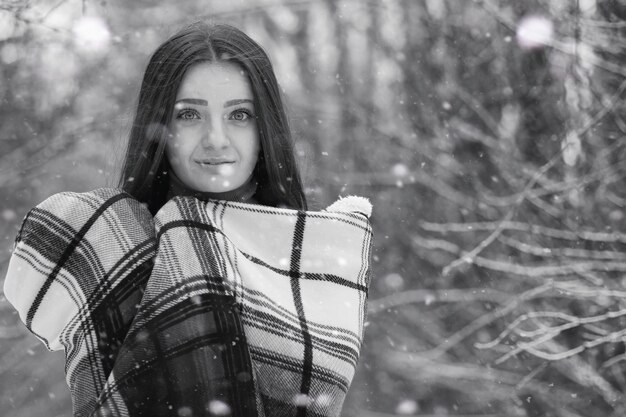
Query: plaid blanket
[209,308]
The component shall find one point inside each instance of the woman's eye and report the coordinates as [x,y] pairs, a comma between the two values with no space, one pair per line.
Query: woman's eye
[241,115]
[188,114]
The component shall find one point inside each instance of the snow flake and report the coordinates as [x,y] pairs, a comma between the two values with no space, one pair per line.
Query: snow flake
[616,215]
[394,281]
[302,400]
[324,400]
[219,408]
[91,34]
[572,148]
[407,407]
[534,32]
[400,170]
[8,215]
[429,299]
[185,412]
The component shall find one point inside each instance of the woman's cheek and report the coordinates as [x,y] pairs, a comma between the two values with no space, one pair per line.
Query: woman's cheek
[174,151]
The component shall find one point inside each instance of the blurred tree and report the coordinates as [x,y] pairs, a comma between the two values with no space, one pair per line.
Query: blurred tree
[488,134]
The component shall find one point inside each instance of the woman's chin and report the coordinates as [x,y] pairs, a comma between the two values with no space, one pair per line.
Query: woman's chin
[219,186]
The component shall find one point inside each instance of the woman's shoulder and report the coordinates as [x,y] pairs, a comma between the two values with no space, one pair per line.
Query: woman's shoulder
[66,246]
[97,200]
[100,217]
[78,210]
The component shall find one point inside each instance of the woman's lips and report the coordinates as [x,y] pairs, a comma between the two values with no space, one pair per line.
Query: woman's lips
[217,166]
[215,162]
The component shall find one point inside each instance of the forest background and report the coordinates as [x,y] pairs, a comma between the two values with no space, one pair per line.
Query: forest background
[488,134]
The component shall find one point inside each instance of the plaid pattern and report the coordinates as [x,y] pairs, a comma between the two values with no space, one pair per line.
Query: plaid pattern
[246,310]
[76,277]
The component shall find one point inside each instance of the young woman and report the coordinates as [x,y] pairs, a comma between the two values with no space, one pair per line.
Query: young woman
[202,286]
[147,173]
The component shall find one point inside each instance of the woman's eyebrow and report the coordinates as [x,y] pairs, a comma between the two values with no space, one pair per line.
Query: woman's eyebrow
[237,101]
[197,101]
[201,102]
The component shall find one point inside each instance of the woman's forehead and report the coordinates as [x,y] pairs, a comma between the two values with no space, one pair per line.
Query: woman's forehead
[215,78]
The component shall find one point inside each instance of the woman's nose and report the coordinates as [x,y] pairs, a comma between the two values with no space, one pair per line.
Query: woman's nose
[215,136]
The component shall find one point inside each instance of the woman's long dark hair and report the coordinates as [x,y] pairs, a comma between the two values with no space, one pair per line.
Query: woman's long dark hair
[145,173]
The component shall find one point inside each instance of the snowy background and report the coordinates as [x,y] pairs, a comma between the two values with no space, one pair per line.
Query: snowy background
[489,135]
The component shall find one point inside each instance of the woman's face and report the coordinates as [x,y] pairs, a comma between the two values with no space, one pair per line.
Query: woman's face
[214,143]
